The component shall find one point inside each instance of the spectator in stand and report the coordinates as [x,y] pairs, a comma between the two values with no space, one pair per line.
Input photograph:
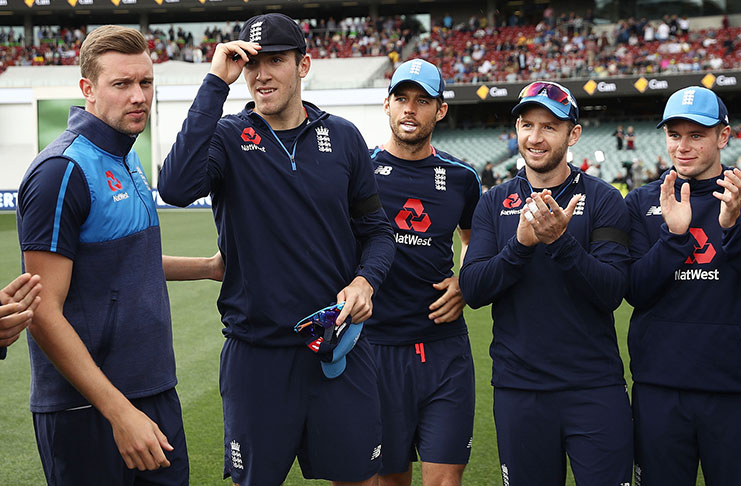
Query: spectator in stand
[487,177]
[630,139]
[512,144]
[619,135]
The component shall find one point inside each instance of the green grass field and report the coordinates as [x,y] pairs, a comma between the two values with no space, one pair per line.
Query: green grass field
[198,341]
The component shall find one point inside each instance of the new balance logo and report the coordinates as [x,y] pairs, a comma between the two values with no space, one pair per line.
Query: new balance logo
[470,443]
[654,211]
[689,97]
[505,475]
[383,170]
[376,452]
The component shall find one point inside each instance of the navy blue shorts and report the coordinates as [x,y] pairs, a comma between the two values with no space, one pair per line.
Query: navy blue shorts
[536,430]
[676,429]
[77,447]
[278,405]
[428,396]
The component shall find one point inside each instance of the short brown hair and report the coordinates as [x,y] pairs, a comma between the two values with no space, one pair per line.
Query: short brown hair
[108,38]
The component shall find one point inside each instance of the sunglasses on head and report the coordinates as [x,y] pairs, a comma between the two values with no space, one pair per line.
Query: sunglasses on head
[552,90]
[316,324]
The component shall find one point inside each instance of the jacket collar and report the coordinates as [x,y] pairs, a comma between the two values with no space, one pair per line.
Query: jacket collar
[100,133]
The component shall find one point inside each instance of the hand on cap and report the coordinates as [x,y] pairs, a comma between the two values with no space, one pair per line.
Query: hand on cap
[357,299]
[730,198]
[230,58]
[677,214]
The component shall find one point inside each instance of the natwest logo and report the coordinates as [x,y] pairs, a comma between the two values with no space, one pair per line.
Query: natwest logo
[413,217]
[113,183]
[512,201]
[249,135]
[704,251]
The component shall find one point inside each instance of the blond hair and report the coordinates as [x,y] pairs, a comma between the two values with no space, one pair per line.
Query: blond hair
[108,38]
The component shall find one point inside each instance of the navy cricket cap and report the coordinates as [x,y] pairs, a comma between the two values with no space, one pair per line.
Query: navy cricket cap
[330,342]
[422,73]
[334,361]
[556,98]
[696,104]
[274,32]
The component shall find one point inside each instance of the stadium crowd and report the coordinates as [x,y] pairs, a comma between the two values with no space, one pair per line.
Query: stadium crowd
[511,50]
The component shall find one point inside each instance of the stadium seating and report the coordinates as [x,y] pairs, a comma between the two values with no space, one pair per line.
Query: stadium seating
[478,146]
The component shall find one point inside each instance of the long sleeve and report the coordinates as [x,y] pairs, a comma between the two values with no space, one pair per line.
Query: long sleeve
[192,166]
[486,271]
[377,246]
[654,259]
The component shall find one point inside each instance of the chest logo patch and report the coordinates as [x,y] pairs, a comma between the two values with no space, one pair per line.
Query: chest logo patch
[249,135]
[322,139]
[413,216]
[113,183]
[704,250]
[512,201]
[440,176]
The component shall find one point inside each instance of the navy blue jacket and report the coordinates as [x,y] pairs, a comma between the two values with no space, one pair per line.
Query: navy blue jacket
[426,200]
[551,304]
[296,224]
[85,197]
[685,331]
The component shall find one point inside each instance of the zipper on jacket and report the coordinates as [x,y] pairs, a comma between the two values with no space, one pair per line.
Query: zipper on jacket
[136,188]
[292,154]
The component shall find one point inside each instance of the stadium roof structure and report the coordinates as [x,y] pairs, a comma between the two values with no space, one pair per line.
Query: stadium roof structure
[346,73]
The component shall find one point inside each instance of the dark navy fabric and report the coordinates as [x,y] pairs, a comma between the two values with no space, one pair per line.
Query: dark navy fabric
[427,392]
[537,430]
[551,304]
[675,429]
[425,200]
[86,197]
[77,446]
[685,331]
[278,405]
[296,223]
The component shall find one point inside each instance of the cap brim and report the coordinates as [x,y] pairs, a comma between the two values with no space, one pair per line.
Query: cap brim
[555,108]
[706,121]
[337,366]
[279,48]
[428,89]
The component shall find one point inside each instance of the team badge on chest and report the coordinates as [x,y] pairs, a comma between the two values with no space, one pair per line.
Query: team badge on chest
[440,176]
[322,139]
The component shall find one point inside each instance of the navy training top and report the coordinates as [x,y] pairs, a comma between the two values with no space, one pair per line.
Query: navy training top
[296,223]
[552,304]
[426,200]
[685,331]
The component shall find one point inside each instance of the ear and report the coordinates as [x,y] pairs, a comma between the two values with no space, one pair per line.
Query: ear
[574,135]
[386,106]
[88,90]
[724,136]
[304,65]
[441,112]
